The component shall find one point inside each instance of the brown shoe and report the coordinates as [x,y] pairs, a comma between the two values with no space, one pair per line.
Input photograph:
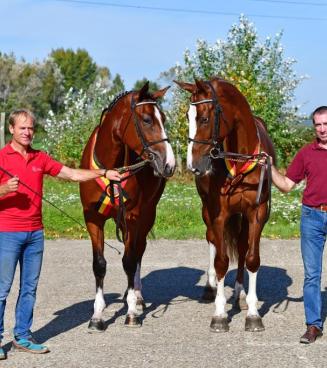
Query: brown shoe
[311,334]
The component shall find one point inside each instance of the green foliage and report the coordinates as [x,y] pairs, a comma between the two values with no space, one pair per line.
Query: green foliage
[153,86]
[77,67]
[67,133]
[262,74]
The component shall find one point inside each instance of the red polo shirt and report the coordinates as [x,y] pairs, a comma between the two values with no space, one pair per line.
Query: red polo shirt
[22,210]
[310,163]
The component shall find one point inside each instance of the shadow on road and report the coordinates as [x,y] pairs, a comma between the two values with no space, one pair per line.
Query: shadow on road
[167,287]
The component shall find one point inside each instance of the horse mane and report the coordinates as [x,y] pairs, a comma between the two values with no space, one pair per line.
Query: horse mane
[116,99]
[113,103]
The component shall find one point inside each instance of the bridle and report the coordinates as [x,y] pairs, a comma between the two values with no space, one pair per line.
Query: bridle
[215,140]
[145,144]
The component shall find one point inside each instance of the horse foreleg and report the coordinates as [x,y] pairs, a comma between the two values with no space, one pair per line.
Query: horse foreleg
[99,269]
[253,321]
[219,322]
[210,289]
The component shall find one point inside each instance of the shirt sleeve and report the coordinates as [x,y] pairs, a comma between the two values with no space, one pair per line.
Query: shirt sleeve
[51,166]
[296,170]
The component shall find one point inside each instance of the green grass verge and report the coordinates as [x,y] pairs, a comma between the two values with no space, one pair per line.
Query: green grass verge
[178,213]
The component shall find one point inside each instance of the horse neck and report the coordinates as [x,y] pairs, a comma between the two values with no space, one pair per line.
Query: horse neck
[244,137]
[109,149]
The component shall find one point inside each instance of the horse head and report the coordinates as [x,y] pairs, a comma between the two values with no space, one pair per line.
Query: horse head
[211,119]
[146,135]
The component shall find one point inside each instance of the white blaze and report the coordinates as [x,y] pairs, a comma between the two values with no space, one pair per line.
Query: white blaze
[170,159]
[192,131]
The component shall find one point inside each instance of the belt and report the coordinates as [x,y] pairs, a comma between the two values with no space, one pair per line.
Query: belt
[322,207]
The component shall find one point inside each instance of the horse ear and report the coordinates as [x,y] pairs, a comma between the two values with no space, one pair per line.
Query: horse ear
[201,86]
[160,93]
[143,93]
[187,86]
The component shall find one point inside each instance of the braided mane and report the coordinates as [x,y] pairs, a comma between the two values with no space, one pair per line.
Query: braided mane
[113,103]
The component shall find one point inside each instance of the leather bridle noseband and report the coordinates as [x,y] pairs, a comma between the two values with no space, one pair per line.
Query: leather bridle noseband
[145,144]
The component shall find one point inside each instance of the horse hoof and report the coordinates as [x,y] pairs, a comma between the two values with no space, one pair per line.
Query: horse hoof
[209,294]
[140,305]
[219,324]
[96,325]
[254,324]
[241,303]
[132,321]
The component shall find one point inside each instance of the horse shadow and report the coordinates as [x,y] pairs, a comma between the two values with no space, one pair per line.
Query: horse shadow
[167,287]
[160,287]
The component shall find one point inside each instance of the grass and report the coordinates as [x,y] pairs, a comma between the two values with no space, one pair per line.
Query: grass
[178,213]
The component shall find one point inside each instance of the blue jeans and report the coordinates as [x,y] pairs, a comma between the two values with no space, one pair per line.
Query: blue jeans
[27,249]
[313,237]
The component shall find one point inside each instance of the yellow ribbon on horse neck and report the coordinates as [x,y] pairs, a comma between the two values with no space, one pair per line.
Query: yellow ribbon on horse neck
[248,165]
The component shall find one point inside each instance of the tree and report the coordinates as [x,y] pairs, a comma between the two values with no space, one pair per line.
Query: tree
[153,86]
[77,67]
[262,74]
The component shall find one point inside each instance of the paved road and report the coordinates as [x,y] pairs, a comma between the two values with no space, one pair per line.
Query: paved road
[175,331]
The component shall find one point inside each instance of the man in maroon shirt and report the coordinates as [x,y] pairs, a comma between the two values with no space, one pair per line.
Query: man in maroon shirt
[310,164]
[21,228]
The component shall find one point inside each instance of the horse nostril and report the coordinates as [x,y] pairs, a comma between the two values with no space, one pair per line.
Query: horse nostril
[195,171]
[168,170]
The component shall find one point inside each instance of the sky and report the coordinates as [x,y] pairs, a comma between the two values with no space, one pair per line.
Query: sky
[142,38]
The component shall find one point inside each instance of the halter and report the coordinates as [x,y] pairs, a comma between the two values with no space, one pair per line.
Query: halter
[145,144]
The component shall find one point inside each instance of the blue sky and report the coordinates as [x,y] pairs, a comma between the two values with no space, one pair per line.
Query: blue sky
[137,41]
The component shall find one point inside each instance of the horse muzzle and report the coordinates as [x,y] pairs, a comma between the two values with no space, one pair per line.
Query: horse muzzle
[160,166]
[201,167]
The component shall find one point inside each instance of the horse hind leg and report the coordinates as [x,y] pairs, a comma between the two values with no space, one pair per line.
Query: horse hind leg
[210,290]
[239,292]
[140,303]
[253,322]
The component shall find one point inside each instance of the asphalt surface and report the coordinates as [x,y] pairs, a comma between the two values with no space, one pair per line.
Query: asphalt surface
[175,331]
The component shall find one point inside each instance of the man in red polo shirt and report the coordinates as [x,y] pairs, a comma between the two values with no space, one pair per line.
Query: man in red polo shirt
[310,164]
[21,228]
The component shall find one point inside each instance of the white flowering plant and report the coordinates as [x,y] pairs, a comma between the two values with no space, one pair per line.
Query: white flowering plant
[262,74]
[67,133]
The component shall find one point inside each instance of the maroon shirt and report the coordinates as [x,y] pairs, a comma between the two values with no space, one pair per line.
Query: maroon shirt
[310,163]
[22,210]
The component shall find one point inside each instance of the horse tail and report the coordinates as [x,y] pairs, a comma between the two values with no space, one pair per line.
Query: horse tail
[231,235]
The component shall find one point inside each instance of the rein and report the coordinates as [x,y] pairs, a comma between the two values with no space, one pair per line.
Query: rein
[53,205]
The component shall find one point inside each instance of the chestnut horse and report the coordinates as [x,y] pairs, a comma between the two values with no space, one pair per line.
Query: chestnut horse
[131,130]
[226,152]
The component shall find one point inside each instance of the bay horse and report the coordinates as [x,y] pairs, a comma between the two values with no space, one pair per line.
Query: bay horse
[227,149]
[131,130]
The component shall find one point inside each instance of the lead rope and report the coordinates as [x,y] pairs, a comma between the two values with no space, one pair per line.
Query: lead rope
[135,168]
[121,214]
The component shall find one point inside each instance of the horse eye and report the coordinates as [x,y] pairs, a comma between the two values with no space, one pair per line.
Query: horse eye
[147,120]
[204,120]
